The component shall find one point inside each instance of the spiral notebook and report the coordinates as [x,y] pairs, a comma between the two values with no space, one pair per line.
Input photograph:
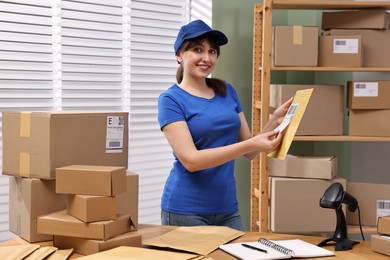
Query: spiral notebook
[275,249]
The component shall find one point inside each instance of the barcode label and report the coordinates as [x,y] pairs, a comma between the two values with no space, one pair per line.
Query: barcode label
[346,46]
[114,144]
[382,208]
[365,89]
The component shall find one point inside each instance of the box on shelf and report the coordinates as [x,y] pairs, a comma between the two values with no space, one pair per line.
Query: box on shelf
[367,195]
[92,208]
[384,225]
[62,224]
[315,167]
[36,143]
[295,46]
[91,180]
[127,202]
[90,246]
[380,244]
[356,19]
[369,122]
[324,113]
[340,51]
[294,205]
[375,44]
[369,94]
[30,198]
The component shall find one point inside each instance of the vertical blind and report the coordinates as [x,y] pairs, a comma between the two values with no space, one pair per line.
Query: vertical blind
[111,55]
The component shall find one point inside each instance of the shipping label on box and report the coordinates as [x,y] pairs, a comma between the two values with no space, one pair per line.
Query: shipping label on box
[36,143]
[91,180]
[340,51]
[382,208]
[369,94]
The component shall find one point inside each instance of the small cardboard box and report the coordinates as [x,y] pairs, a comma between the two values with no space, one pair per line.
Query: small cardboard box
[384,225]
[369,94]
[91,180]
[295,46]
[295,207]
[380,244]
[315,167]
[356,19]
[62,224]
[324,113]
[367,195]
[92,208]
[375,45]
[89,246]
[127,202]
[30,198]
[369,122]
[36,143]
[340,51]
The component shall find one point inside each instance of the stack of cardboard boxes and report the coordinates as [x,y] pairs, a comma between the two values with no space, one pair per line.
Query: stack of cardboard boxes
[297,183]
[36,144]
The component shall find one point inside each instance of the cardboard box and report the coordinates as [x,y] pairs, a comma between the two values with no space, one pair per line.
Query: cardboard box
[356,19]
[375,46]
[62,224]
[367,195]
[369,122]
[324,113]
[127,202]
[315,167]
[340,51]
[91,180]
[380,244]
[384,225]
[92,208]
[89,246]
[295,207]
[369,94]
[30,198]
[295,46]
[36,143]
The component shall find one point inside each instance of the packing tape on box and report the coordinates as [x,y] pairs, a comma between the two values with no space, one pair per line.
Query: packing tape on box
[24,164]
[297,35]
[25,124]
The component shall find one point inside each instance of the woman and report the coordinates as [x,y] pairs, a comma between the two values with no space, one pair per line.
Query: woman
[204,123]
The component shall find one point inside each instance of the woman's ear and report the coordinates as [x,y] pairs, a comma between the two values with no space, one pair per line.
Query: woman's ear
[178,58]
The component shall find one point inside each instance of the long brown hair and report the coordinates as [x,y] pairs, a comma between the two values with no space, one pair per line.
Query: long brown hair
[217,85]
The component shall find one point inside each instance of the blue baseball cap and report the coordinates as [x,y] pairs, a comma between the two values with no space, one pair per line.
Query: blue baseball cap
[197,28]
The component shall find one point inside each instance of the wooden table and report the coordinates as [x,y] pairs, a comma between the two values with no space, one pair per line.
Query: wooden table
[361,251]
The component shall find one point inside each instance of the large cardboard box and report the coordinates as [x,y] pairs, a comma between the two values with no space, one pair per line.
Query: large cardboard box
[92,208]
[367,195]
[295,205]
[369,94]
[369,122]
[30,198]
[36,143]
[384,225]
[127,202]
[340,51]
[315,167]
[91,180]
[324,113]
[380,244]
[89,246]
[375,46]
[356,19]
[62,224]
[295,46]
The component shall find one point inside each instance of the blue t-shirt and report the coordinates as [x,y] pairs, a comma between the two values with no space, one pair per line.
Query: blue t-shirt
[213,123]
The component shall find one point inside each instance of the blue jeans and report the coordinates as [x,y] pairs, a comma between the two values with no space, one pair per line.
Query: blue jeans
[233,220]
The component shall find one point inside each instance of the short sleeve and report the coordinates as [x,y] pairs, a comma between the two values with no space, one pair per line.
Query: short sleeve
[169,110]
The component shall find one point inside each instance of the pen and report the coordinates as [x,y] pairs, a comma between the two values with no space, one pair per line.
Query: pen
[254,248]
